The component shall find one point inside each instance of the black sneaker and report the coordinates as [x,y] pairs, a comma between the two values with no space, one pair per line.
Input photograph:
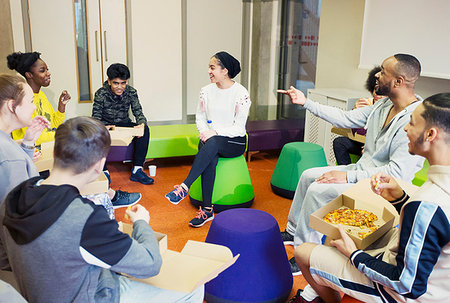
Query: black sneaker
[295,270]
[202,217]
[124,199]
[288,239]
[141,177]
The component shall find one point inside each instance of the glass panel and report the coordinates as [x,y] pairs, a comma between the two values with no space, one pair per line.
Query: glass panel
[82,51]
[298,51]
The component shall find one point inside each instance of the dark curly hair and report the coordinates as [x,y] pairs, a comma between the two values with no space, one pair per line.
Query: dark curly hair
[371,80]
[22,62]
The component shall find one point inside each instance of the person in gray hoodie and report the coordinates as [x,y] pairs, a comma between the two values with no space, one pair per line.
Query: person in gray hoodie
[64,248]
[386,146]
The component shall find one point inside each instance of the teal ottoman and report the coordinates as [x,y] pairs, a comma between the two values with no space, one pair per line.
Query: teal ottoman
[295,157]
[232,187]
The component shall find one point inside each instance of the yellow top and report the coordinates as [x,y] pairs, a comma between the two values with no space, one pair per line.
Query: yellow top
[43,108]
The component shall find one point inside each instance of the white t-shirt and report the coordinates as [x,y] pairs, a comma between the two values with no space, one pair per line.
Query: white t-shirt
[223,110]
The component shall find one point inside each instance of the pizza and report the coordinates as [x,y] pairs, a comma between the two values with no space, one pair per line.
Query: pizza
[353,217]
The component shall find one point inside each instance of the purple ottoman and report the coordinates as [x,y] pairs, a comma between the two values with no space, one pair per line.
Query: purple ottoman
[262,272]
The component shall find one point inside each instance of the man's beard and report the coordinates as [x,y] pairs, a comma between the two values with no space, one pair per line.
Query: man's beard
[383,90]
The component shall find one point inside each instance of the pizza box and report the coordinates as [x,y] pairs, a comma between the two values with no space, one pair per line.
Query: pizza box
[384,223]
[360,196]
[122,136]
[100,185]
[184,271]
[346,132]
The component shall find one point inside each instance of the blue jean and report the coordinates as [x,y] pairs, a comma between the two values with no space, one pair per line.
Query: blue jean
[132,291]
[206,160]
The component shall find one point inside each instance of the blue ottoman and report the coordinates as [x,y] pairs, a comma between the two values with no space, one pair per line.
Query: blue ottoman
[262,272]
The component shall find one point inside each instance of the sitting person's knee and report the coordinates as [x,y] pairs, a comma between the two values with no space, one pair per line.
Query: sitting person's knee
[303,252]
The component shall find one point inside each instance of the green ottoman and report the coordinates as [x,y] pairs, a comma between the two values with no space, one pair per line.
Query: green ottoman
[295,157]
[232,186]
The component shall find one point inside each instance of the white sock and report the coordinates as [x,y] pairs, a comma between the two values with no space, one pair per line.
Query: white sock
[309,293]
[136,168]
[184,186]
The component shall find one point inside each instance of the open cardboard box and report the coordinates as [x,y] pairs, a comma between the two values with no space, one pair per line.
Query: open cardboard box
[384,223]
[359,196]
[45,161]
[346,132]
[122,136]
[184,271]
[100,185]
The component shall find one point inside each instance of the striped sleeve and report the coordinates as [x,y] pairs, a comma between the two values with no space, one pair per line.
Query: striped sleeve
[424,232]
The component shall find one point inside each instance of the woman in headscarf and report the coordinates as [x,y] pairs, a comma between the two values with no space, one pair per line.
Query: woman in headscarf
[221,117]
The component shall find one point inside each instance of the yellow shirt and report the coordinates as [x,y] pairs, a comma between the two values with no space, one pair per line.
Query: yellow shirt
[43,108]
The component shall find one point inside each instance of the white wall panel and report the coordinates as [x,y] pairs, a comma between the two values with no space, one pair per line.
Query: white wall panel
[157,57]
[212,26]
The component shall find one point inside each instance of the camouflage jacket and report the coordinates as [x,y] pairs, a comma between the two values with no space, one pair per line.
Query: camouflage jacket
[112,109]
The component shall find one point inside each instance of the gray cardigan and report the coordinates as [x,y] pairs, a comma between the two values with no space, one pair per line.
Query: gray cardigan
[386,148]
[16,164]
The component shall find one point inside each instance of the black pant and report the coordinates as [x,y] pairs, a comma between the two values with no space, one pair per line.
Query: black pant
[343,146]
[206,160]
[140,145]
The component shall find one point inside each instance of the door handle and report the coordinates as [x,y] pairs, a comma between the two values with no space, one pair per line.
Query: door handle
[96,45]
[106,46]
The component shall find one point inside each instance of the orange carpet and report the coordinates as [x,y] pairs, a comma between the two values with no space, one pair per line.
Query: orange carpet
[173,220]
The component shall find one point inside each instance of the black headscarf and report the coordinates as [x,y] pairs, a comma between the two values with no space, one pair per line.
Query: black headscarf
[22,62]
[231,63]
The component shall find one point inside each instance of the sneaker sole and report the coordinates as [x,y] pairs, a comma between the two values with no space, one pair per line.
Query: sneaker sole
[174,203]
[120,206]
[288,243]
[145,183]
[209,219]
[298,273]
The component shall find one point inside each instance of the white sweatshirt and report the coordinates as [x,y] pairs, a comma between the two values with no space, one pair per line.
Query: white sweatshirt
[225,109]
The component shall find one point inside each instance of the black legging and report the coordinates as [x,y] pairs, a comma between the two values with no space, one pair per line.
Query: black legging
[140,145]
[206,160]
[343,146]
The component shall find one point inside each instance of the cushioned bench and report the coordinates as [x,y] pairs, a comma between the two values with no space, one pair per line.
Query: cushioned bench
[173,141]
[273,134]
[182,139]
[165,141]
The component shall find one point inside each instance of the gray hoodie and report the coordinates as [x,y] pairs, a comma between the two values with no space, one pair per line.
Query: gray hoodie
[63,248]
[386,148]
